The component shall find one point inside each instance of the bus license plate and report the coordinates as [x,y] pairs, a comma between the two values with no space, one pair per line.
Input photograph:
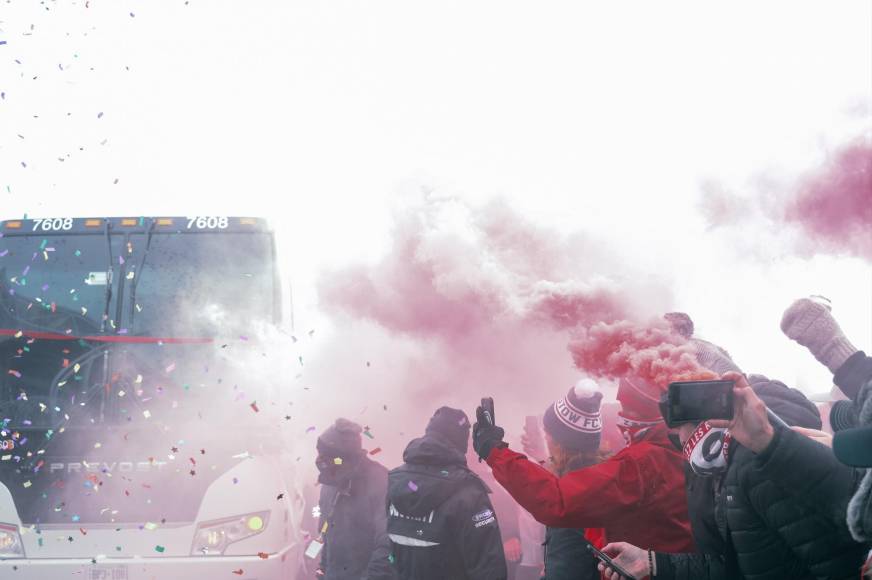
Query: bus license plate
[108,573]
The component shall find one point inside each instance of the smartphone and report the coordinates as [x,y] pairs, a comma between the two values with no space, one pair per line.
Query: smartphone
[610,563]
[697,401]
[487,406]
[531,426]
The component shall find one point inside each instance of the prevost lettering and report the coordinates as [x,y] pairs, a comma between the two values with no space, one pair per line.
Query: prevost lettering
[98,467]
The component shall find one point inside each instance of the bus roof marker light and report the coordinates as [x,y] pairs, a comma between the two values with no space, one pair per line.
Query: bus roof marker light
[93,223]
[164,221]
[16,225]
[129,222]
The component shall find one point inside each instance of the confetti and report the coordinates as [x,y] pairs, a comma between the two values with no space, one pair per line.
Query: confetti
[254,407]
[14,373]
[146,414]
[375,451]
[337,461]
[413,486]
[262,555]
[239,572]
[27,484]
[159,549]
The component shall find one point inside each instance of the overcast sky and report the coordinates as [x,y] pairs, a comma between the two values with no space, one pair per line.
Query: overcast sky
[606,118]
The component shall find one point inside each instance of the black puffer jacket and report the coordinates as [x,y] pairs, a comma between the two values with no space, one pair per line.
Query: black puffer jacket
[356,544]
[440,520]
[775,515]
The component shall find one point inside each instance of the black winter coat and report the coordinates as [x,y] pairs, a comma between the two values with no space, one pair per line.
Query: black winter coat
[356,546]
[440,520]
[776,515]
[851,376]
[566,553]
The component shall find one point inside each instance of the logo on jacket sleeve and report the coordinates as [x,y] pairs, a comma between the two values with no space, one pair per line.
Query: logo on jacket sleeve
[484,518]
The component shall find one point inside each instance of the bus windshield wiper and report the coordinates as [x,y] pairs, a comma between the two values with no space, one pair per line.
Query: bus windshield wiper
[108,280]
[139,275]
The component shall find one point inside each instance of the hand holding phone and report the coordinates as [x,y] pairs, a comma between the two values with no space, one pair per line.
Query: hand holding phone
[610,564]
[485,433]
[487,407]
[697,401]
[752,426]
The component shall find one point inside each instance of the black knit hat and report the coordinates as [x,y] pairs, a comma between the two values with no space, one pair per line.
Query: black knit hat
[452,426]
[341,438]
[574,421]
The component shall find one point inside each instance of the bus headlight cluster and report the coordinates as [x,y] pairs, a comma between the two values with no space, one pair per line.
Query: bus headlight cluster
[10,542]
[212,538]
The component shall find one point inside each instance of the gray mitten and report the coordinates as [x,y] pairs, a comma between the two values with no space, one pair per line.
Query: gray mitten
[811,324]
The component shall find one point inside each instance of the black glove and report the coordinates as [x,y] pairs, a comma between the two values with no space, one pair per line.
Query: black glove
[485,434]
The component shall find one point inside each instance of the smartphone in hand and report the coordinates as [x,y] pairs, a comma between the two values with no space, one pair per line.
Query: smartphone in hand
[698,401]
[609,563]
[487,406]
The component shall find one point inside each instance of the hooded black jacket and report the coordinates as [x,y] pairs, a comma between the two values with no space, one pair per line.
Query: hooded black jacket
[440,520]
[774,515]
[356,545]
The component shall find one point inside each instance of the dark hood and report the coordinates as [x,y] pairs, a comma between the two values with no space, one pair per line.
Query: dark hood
[789,404]
[433,472]
[433,450]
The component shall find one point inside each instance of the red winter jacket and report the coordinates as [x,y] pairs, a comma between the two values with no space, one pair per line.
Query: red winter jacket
[637,495]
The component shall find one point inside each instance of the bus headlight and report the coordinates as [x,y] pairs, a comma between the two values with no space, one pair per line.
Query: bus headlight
[212,538]
[10,542]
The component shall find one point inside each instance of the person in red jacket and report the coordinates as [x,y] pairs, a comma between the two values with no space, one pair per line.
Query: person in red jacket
[637,495]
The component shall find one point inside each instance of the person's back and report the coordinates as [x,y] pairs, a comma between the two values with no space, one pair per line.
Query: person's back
[573,433]
[352,501]
[440,520]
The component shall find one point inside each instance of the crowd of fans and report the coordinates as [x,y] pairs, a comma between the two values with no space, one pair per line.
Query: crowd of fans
[768,494]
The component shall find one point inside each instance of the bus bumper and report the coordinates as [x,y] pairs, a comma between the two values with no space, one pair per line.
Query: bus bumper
[274,567]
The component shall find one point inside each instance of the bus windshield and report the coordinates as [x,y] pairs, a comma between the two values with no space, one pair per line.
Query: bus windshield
[108,358]
[196,284]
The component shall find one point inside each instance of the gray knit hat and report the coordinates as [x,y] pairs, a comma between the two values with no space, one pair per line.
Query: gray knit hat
[709,355]
[574,421]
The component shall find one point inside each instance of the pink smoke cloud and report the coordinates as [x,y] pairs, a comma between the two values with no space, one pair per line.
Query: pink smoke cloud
[652,351]
[453,269]
[834,205]
[468,302]
[826,210]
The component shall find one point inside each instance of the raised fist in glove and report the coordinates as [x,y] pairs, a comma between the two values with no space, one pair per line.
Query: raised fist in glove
[485,433]
[811,324]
